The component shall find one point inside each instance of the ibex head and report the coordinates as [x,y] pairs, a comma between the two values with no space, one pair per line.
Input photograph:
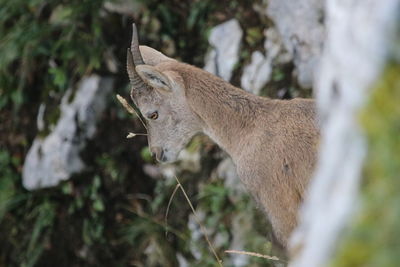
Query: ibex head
[159,94]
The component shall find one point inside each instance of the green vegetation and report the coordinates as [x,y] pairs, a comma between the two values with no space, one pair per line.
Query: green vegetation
[373,240]
[113,214]
[44,46]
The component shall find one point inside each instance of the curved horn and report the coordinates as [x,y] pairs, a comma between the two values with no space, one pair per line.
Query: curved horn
[134,58]
[130,67]
[137,57]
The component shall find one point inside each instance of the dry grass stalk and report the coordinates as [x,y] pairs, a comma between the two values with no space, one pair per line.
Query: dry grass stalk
[143,215]
[131,135]
[130,110]
[202,228]
[169,205]
[253,254]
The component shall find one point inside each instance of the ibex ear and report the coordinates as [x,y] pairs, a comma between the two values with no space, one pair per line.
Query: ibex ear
[154,77]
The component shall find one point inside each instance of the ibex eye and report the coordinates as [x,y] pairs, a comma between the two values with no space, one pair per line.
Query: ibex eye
[153,116]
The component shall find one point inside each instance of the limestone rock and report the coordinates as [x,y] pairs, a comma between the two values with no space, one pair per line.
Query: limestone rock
[301,26]
[57,156]
[258,73]
[225,40]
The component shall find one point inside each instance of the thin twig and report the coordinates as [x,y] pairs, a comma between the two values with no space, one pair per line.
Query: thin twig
[151,219]
[202,228]
[169,204]
[253,254]
[130,109]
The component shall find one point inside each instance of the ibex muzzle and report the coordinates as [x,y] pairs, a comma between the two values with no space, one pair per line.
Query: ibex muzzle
[273,143]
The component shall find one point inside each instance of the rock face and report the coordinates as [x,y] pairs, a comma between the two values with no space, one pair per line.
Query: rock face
[225,40]
[57,156]
[258,73]
[355,52]
[301,26]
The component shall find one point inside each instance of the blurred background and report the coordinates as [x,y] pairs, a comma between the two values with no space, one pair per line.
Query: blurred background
[75,192]
[88,196]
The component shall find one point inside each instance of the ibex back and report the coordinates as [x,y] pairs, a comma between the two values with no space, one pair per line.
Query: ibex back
[273,143]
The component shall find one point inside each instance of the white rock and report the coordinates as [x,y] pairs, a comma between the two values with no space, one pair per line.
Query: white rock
[356,49]
[57,157]
[258,73]
[225,40]
[300,24]
[40,117]
[182,261]
[273,44]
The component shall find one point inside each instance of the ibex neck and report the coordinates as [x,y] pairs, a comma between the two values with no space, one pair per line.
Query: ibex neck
[228,112]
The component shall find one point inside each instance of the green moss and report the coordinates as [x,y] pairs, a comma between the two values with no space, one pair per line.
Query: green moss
[373,239]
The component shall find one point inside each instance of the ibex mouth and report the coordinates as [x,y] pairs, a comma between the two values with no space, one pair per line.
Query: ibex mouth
[159,154]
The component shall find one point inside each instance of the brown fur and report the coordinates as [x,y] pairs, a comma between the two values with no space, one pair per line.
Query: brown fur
[273,143]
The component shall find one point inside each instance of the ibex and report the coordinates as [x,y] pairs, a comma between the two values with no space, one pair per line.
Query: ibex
[272,143]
